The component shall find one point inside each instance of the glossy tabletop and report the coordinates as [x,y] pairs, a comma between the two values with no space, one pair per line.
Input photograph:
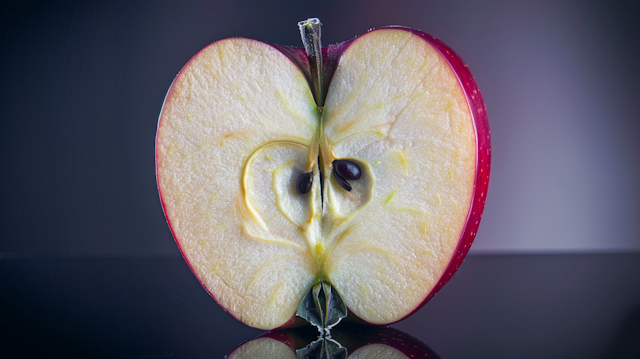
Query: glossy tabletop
[496,306]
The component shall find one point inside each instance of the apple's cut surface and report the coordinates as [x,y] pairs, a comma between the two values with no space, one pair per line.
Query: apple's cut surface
[378,193]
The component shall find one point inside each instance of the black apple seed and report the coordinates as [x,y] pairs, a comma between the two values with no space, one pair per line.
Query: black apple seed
[347,169]
[303,184]
[341,181]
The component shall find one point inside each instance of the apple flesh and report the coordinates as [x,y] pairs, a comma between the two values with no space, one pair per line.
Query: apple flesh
[241,124]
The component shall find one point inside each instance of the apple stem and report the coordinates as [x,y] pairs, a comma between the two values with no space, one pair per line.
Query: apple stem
[310,33]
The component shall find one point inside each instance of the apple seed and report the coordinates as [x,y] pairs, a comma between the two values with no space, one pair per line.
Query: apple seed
[341,181]
[303,184]
[347,169]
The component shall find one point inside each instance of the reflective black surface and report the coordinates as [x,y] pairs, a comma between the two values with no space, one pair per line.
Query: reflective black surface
[345,341]
[552,306]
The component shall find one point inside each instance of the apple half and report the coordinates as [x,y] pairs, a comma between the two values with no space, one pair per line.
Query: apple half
[257,151]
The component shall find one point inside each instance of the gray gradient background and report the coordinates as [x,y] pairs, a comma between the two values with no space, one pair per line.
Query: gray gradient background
[81,87]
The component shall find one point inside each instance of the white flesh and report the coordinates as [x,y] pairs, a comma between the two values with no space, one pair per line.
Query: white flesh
[238,127]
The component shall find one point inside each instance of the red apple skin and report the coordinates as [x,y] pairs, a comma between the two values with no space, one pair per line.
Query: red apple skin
[477,108]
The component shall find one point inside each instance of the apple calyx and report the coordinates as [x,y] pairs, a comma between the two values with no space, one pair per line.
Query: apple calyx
[322,307]
[324,347]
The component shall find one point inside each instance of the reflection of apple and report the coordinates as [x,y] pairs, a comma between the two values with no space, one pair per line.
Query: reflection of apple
[376,195]
[357,342]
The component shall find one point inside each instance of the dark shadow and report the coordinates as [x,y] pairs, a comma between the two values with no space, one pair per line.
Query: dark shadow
[626,341]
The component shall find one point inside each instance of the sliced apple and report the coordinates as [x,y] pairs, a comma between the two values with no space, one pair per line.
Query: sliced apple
[377,194]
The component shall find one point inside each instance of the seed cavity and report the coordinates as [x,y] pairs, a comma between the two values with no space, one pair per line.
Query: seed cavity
[304,182]
[344,170]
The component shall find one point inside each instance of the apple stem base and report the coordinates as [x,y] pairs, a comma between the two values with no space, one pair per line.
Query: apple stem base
[310,33]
